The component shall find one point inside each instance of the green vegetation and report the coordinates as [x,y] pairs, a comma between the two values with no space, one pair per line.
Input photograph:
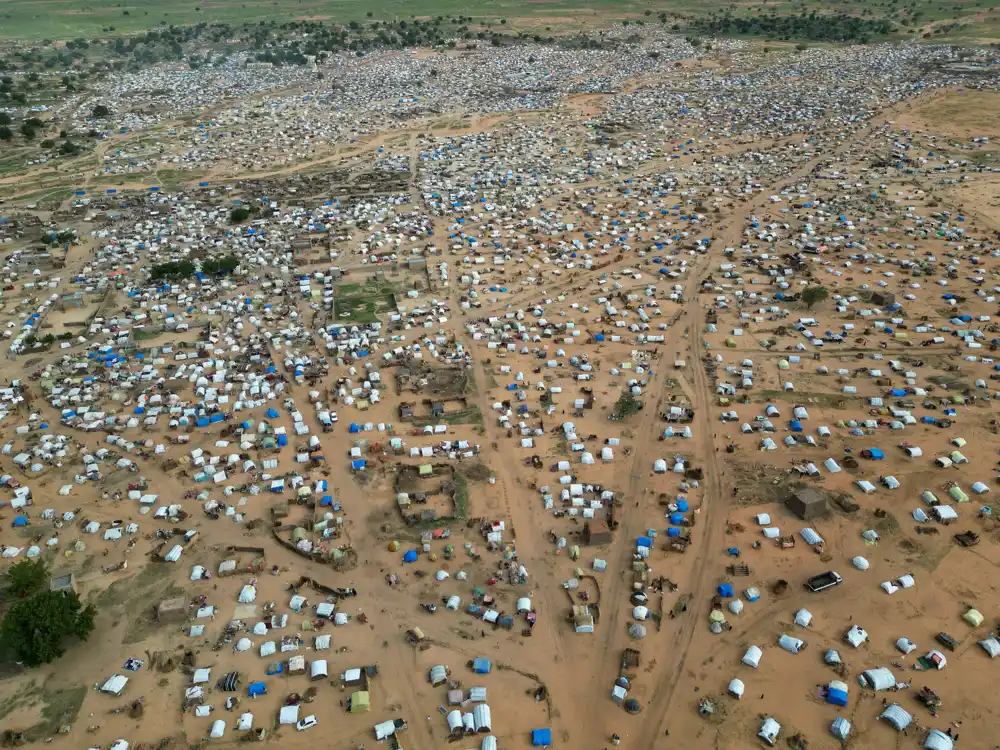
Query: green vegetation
[813,295]
[25,578]
[239,215]
[825,27]
[39,622]
[363,303]
[183,269]
[59,706]
[469,415]
[626,406]
[461,495]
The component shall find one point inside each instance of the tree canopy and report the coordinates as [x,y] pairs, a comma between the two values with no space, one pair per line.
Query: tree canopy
[813,295]
[37,628]
[26,578]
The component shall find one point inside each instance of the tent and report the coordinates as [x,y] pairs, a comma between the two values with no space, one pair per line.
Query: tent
[791,644]
[752,658]
[361,701]
[991,646]
[115,684]
[938,740]
[840,728]
[973,617]
[769,731]
[879,678]
[256,688]
[836,693]
[481,665]
[736,688]
[897,716]
[541,737]
[803,617]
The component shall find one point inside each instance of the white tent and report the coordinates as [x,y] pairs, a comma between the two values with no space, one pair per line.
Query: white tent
[879,678]
[243,644]
[248,594]
[791,644]
[115,684]
[905,645]
[860,563]
[660,466]
[245,722]
[991,646]
[769,731]
[938,740]
[897,716]
[218,729]
[803,617]
[752,657]
[832,466]
[288,715]
[856,635]
[736,688]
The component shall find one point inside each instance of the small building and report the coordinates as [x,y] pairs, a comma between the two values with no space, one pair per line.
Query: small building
[807,504]
[63,583]
[405,412]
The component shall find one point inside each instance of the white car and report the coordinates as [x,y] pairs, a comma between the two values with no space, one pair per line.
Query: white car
[306,723]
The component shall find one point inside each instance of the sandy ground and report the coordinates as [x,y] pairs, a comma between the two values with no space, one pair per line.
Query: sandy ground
[682,661]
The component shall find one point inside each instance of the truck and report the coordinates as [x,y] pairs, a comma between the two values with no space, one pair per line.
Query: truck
[824,581]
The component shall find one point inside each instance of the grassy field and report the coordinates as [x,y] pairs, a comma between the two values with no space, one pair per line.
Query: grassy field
[69,19]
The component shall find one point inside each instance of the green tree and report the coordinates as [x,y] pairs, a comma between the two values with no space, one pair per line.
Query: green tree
[626,406]
[36,629]
[100,111]
[813,295]
[5,119]
[6,133]
[47,143]
[26,578]
[238,215]
[27,131]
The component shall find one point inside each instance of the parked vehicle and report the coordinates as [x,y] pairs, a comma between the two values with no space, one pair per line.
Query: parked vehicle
[824,581]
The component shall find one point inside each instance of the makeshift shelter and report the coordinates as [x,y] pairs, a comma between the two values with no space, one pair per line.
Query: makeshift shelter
[879,678]
[840,728]
[752,657]
[973,617]
[541,737]
[791,644]
[897,716]
[991,646]
[736,688]
[769,730]
[360,701]
[938,740]
[218,729]
[807,504]
[836,693]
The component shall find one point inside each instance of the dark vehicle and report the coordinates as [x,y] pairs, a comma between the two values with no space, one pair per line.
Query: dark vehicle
[824,581]
[947,641]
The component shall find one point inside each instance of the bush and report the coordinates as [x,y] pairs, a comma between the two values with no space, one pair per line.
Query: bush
[100,111]
[47,143]
[6,133]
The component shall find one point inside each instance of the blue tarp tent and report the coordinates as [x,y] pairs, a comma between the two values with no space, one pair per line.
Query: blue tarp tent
[677,519]
[20,521]
[410,556]
[353,429]
[271,414]
[358,464]
[256,688]
[202,422]
[875,454]
[282,441]
[897,392]
[276,667]
[481,665]
[795,425]
[725,589]
[928,420]
[645,541]
[541,737]
[673,532]
[682,505]
[836,695]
